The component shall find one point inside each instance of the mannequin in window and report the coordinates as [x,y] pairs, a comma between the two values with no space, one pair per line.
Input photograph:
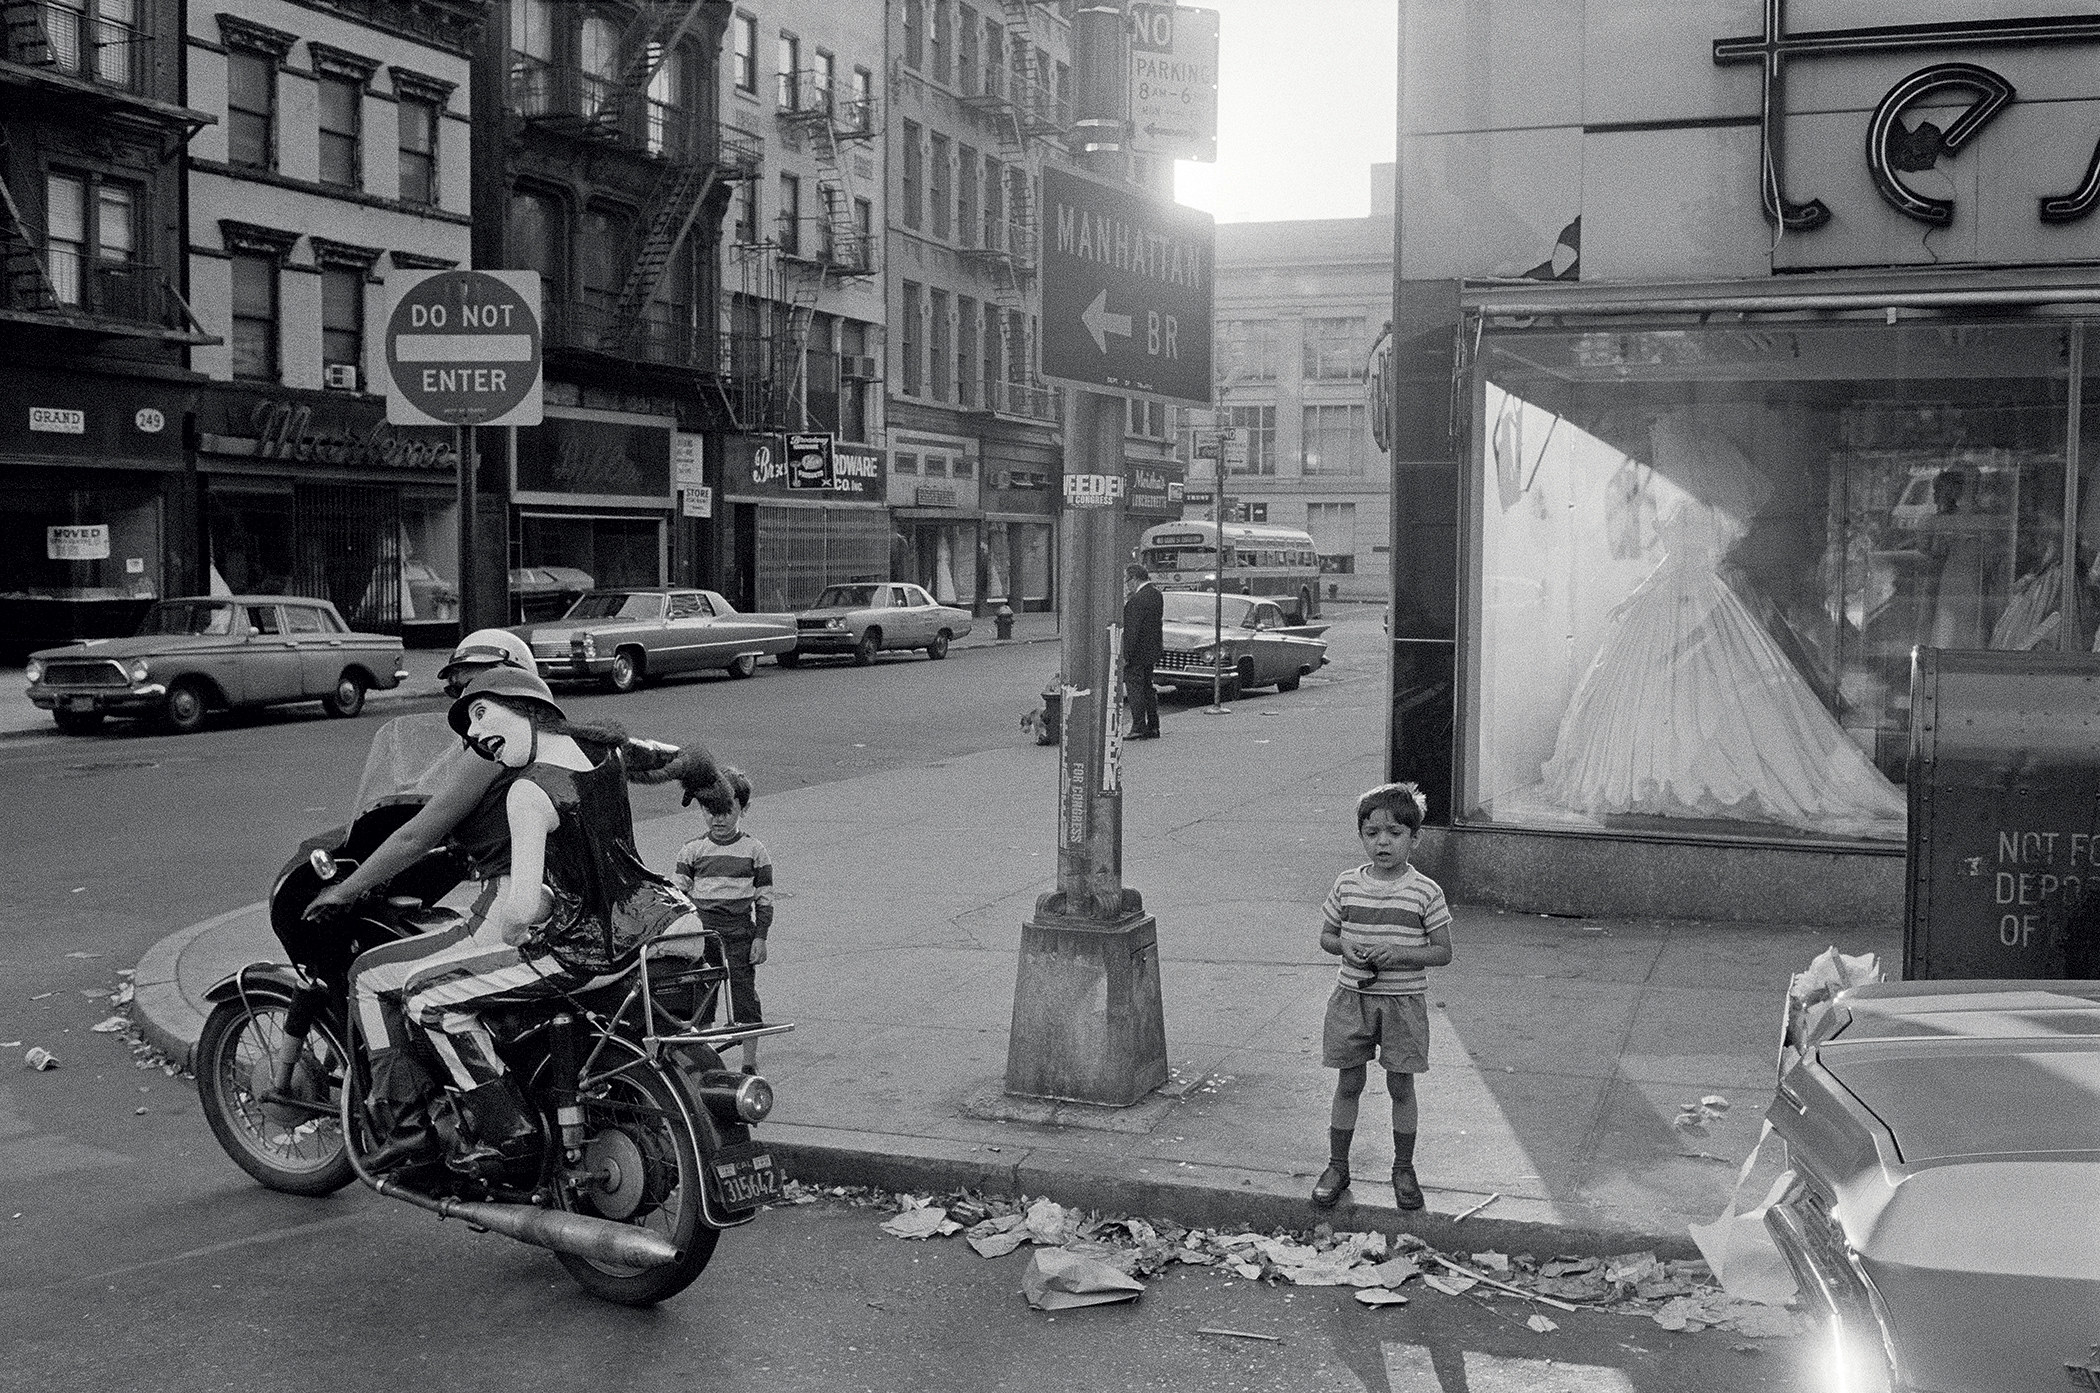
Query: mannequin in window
[1690,708]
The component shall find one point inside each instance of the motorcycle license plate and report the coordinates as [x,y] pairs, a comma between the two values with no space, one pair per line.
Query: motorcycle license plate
[745,1176]
[80,703]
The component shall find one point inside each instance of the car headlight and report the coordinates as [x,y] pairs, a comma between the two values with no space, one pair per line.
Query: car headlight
[590,645]
[1203,654]
[834,623]
[138,670]
[34,672]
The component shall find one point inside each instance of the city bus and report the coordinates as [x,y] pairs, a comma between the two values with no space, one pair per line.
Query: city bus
[1276,561]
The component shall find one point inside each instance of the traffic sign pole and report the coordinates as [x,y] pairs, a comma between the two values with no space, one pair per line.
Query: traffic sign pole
[1087,1020]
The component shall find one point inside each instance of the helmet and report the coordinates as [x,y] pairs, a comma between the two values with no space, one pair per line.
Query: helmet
[483,648]
[502,681]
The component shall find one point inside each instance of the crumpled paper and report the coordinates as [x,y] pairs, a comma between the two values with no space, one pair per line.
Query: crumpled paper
[1739,1249]
[923,1222]
[1057,1280]
[1809,994]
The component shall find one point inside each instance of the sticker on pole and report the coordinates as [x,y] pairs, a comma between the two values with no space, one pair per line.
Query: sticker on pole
[463,349]
[1092,490]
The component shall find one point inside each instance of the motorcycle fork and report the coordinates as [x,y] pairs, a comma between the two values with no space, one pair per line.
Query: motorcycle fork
[298,1024]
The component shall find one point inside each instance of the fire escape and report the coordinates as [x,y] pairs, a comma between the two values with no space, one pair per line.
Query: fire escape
[808,254]
[693,159]
[1024,111]
[75,72]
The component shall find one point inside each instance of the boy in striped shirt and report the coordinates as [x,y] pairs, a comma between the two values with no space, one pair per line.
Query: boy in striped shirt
[728,875]
[1387,922]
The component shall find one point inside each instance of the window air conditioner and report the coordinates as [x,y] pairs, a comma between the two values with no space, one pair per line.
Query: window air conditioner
[858,366]
[342,376]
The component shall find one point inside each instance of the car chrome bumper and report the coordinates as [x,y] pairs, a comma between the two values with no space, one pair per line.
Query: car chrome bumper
[826,641]
[572,669]
[140,696]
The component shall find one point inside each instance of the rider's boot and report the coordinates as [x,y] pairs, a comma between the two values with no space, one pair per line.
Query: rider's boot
[399,1111]
[499,1128]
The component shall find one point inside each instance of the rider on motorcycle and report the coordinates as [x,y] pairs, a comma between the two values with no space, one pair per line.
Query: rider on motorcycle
[466,810]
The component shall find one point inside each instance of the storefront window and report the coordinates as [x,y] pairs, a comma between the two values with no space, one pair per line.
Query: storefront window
[802,550]
[1032,562]
[80,544]
[998,563]
[429,561]
[1705,555]
[251,542]
[594,551]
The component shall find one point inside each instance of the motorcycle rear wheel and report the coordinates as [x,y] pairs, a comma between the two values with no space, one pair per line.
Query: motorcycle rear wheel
[285,1148]
[641,1119]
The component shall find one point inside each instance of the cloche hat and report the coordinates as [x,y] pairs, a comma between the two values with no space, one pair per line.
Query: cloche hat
[502,681]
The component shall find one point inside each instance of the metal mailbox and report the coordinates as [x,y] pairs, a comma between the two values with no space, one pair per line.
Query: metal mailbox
[2004,846]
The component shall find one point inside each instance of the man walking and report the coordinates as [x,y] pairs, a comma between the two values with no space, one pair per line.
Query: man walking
[1142,608]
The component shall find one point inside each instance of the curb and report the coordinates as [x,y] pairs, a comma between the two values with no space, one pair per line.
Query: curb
[164,1016]
[1219,1197]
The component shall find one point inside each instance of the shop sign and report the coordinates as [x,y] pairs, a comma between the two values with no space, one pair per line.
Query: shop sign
[1892,148]
[698,501]
[80,542]
[57,420]
[149,420]
[285,430]
[1154,486]
[809,461]
[763,466]
[925,497]
[686,459]
[1198,495]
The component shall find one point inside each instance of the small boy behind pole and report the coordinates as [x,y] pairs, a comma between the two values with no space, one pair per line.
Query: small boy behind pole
[728,875]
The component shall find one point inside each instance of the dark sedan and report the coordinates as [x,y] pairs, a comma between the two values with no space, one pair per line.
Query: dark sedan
[1255,645]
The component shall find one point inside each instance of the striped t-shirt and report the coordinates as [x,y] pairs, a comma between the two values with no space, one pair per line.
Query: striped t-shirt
[730,884]
[1394,913]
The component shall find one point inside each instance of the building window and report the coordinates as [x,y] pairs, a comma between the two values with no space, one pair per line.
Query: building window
[342,316]
[824,78]
[1336,350]
[92,246]
[1147,419]
[599,57]
[937,44]
[994,61]
[966,326]
[789,231]
[1247,350]
[969,77]
[914,34]
[746,197]
[93,38]
[789,64]
[342,102]
[251,108]
[744,66]
[994,201]
[942,332]
[1333,529]
[534,240]
[863,234]
[988,347]
[1333,440]
[862,116]
[914,175]
[1257,426]
[532,28]
[419,133]
[908,339]
[255,316]
[966,174]
[937,185]
[607,253]
[853,390]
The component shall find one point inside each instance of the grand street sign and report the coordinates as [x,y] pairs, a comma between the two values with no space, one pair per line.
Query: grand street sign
[1126,290]
[463,349]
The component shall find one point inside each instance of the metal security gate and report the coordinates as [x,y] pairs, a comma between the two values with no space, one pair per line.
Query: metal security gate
[349,551]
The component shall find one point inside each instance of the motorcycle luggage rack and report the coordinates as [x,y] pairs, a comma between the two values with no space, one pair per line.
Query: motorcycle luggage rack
[688,1033]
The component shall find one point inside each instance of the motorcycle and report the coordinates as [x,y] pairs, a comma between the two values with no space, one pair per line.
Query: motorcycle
[646,1151]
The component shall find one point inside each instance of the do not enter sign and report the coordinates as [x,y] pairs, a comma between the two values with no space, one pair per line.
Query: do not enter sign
[463,349]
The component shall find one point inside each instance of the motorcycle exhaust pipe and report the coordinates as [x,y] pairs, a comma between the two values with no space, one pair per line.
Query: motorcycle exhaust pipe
[579,1235]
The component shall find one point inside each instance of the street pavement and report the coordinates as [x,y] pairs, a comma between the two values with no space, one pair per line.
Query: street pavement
[1562,1048]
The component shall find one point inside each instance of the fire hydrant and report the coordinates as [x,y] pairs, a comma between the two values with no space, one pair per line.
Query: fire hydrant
[1003,621]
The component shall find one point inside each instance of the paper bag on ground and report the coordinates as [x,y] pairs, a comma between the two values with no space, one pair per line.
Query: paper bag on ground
[1057,1280]
[1745,1260]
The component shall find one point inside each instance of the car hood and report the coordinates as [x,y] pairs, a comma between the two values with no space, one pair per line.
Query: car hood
[828,612]
[1195,635]
[122,648]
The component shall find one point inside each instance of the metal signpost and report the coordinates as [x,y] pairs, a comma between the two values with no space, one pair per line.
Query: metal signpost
[1126,293]
[463,350]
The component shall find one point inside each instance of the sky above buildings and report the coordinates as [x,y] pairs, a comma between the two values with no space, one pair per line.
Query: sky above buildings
[1306,94]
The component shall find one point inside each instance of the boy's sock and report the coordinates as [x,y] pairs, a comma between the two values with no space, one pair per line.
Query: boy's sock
[1407,1190]
[1338,1140]
[1404,1149]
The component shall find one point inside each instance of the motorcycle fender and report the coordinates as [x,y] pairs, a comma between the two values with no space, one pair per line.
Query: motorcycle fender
[279,980]
[709,1134]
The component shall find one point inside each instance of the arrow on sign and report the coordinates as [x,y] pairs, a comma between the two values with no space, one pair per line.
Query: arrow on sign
[1100,323]
[1157,131]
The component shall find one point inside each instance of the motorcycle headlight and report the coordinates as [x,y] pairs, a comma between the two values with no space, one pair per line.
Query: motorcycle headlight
[34,672]
[137,669]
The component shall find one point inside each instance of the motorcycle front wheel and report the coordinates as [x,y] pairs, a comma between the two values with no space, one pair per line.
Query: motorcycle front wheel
[641,1145]
[291,1142]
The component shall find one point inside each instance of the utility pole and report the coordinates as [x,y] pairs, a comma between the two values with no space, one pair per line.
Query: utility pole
[1087,1022]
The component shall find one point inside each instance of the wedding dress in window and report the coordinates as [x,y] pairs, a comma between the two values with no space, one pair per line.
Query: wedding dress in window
[1690,708]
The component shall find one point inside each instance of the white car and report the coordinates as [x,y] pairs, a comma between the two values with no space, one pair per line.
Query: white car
[869,617]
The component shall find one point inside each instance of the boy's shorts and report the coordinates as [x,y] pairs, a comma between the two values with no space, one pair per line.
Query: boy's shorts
[1361,1024]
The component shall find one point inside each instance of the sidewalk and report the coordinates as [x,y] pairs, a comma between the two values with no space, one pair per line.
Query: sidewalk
[18,717]
[1561,1050]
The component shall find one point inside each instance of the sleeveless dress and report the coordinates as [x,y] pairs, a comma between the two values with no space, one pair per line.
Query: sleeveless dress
[606,902]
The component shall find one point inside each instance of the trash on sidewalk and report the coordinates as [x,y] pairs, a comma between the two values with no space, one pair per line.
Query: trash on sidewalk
[922,1222]
[1809,993]
[109,1025]
[1697,1117]
[1238,1334]
[1478,1207]
[1379,1296]
[996,1245]
[40,1058]
[1541,1324]
[1450,1286]
[1057,1280]
[1745,1260]
[1497,1263]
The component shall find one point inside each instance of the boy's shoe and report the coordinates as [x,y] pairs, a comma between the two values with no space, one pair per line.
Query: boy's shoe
[1328,1188]
[1407,1191]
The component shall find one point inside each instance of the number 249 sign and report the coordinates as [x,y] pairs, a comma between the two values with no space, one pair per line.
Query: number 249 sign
[1092,490]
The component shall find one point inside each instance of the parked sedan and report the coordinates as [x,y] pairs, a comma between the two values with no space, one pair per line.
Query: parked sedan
[1261,647]
[1944,1139]
[194,656]
[625,637]
[868,618]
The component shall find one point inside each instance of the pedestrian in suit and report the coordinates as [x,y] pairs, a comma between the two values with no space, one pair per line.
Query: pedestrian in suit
[1142,609]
